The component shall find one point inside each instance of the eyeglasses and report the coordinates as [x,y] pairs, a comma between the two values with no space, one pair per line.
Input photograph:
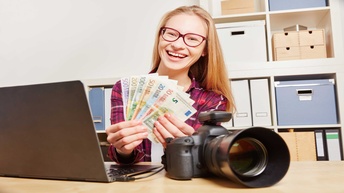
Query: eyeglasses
[190,39]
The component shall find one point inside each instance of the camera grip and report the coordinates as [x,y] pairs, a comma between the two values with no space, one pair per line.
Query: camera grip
[179,159]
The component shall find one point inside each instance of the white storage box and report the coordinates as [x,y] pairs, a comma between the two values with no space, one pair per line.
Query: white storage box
[306,102]
[243,41]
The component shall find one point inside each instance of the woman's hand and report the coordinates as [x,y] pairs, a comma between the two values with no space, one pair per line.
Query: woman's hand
[126,135]
[169,126]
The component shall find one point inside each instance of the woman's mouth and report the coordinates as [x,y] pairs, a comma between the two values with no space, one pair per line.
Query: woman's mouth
[177,55]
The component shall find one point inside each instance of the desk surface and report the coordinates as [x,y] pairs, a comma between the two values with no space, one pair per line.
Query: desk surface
[321,176]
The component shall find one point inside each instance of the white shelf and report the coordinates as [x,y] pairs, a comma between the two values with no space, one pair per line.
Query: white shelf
[327,18]
[240,17]
[309,126]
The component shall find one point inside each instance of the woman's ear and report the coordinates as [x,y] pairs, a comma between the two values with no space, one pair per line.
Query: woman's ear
[204,53]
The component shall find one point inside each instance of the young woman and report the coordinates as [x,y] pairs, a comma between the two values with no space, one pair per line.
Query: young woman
[186,49]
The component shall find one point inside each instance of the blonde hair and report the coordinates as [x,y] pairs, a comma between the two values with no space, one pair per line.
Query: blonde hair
[210,70]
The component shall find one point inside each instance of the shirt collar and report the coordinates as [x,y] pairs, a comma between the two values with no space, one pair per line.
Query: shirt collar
[194,83]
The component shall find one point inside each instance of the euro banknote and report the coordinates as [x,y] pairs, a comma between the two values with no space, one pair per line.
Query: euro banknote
[146,97]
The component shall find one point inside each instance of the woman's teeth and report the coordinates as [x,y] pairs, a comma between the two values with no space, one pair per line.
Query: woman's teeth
[176,54]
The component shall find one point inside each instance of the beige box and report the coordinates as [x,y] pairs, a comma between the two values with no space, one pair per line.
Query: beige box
[287,53]
[312,37]
[303,44]
[237,6]
[285,39]
[301,145]
[316,51]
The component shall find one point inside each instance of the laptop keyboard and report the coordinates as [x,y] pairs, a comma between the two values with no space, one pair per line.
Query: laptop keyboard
[122,170]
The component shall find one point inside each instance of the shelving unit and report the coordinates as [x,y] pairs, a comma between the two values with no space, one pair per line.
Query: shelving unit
[327,18]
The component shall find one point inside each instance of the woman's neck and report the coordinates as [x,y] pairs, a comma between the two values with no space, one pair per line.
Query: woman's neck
[181,76]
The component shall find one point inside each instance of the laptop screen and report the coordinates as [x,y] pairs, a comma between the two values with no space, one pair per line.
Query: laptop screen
[46,131]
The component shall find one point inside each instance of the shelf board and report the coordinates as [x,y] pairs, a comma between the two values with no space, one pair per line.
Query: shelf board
[288,11]
[246,127]
[295,127]
[305,63]
[327,126]
[284,69]
[240,17]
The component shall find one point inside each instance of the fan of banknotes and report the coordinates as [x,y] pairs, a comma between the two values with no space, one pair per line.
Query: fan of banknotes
[146,97]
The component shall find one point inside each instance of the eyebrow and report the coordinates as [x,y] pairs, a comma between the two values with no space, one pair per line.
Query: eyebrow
[186,32]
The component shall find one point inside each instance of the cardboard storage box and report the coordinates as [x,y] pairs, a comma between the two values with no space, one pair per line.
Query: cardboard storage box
[310,52]
[275,5]
[312,37]
[285,39]
[301,145]
[304,44]
[306,102]
[301,52]
[227,7]
[237,6]
[287,53]
[239,38]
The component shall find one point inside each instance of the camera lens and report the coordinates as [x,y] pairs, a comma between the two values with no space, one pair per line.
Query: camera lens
[255,157]
[248,157]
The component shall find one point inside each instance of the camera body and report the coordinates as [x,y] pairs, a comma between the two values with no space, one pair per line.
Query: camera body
[254,157]
[184,155]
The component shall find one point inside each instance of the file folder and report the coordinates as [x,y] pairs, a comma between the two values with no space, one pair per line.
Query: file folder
[242,116]
[333,144]
[320,141]
[260,100]
[107,106]
[97,105]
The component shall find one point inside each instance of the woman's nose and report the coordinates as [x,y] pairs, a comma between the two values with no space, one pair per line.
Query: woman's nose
[179,43]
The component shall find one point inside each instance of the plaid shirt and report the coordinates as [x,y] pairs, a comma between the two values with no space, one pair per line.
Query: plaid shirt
[204,101]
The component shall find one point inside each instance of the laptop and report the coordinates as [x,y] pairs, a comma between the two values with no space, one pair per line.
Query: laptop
[47,132]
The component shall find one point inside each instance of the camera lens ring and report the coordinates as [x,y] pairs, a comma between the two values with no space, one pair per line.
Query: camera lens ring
[248,157]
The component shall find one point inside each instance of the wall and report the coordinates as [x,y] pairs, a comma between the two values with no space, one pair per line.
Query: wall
[47,41]
[341,9]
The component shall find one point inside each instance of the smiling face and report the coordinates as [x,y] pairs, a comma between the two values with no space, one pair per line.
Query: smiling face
[177,57]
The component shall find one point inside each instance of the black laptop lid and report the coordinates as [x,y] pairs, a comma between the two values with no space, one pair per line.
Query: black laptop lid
[46,131]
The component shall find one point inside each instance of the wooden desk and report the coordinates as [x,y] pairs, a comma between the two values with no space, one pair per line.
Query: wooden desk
[305,177]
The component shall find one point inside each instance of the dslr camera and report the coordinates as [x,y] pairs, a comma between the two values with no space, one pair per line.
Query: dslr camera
[254,157]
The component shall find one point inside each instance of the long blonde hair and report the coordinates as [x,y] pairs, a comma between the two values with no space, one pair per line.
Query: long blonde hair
[210,70]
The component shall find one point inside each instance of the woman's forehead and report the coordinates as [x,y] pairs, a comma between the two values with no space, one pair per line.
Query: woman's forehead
[186,23]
